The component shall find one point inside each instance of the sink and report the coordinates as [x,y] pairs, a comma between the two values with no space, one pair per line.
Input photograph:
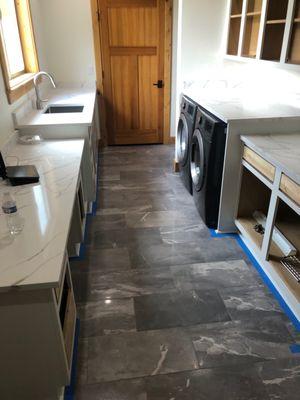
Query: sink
[63,109]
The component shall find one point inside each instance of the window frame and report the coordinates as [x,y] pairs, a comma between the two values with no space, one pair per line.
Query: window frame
[19,84]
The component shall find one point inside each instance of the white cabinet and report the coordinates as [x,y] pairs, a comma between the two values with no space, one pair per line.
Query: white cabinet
[37,336]
[264,30]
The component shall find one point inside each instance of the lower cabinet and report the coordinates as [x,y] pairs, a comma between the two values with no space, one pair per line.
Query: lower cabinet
[36,340]
[268,194]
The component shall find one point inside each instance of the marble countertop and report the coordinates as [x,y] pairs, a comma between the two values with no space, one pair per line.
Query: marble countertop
[282,151]
[234,104]
[28,117]
[34,258]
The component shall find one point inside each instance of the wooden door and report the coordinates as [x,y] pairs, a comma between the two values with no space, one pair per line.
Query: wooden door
[133,52]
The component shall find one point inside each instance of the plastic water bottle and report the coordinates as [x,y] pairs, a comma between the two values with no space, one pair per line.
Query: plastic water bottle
[9,207]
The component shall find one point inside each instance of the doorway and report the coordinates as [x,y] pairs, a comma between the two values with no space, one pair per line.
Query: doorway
[133,40]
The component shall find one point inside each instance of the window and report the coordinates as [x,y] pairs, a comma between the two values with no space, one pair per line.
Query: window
[17,47]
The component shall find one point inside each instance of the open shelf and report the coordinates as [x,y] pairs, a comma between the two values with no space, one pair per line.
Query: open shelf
[254,6]
[272,43]
[277,10]
[294,45]
[288,222]
[276,271]
[274,30]
[236,7]
[234,36]
[256,199]
[252,26]
[251,36]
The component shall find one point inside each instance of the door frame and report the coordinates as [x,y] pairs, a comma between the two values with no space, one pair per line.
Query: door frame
[99,61]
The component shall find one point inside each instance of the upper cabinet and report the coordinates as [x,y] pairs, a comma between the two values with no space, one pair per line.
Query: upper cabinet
[293,55]
[265,30]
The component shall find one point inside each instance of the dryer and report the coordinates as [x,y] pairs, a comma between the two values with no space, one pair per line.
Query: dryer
[206,164]
[185,131]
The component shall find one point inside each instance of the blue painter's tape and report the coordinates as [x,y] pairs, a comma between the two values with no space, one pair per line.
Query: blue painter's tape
[215,234]
[295,348]
[289,313]
[70,390]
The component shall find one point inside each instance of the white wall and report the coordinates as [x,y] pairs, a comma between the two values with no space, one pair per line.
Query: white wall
[203,24]
[6,122]
[68,39]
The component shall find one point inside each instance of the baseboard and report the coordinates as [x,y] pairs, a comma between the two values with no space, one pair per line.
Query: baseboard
[176,166]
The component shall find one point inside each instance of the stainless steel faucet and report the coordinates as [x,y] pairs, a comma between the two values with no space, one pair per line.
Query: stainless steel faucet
[39,101]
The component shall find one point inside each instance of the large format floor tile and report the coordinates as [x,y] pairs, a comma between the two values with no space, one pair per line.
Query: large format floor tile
[281,378]
[241,342]
[103,260]
[95,286]
[218,384]
[107,316]
[252,302]
[161,311]
[125,237]
[131,355]
[203,251]
[219,274]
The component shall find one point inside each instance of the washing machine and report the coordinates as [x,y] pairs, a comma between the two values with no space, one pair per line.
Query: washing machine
[206,164]
[185,131]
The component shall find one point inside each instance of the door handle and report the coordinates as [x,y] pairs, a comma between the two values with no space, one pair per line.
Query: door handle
[159,84]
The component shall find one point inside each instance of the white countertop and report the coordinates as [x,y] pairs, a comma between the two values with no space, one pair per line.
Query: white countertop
[60,96]
[234,104]
[282,151]
[34,258]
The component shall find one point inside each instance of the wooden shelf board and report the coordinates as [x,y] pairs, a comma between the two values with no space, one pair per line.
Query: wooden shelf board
[245,226]
[236,16]
[249,55]
[253,14]
[276,21]
[297,20]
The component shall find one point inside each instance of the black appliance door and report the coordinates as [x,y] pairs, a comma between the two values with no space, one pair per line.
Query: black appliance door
[198,161]
[182,140]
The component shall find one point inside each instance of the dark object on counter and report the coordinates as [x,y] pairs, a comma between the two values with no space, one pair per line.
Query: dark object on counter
[259,229]
[20,174]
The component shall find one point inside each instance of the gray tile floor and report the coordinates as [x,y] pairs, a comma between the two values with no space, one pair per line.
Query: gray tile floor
[167,312]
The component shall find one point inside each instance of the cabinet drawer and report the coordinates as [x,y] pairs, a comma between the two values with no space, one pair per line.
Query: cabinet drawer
[290,188]
[260,164]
